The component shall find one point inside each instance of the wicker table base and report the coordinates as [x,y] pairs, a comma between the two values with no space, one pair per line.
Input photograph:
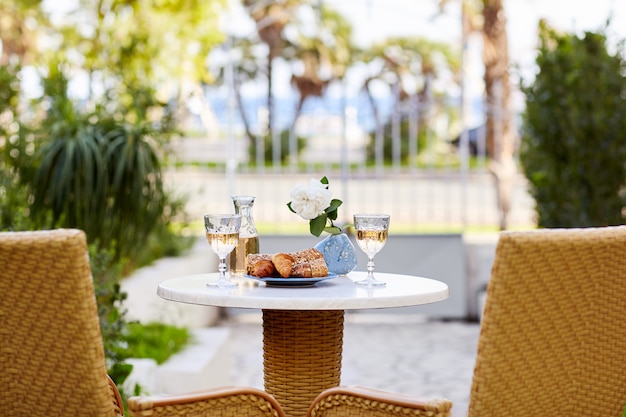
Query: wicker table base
[301,355]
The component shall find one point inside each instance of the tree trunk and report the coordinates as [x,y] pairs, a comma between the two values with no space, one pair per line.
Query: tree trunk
[372,102]
[242,111]
[500,129]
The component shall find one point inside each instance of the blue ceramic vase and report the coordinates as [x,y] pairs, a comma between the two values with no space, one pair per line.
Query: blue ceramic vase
[339,253]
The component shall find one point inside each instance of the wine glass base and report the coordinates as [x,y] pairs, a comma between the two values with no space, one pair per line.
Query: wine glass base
[370,283]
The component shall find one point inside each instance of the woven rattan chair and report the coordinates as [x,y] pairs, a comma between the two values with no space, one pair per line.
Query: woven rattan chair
[553,332]
[219,402]
[355,401]
[52,360]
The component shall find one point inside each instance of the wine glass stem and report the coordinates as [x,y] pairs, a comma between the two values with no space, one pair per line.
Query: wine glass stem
[222,269]
[370,268]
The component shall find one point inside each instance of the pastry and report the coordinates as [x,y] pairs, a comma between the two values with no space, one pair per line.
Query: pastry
[260,265]
[310,263]
[283,262]
[307,263]
[307,255]
[319,268]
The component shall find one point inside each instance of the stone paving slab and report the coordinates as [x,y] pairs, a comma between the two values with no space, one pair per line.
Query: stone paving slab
[400,353]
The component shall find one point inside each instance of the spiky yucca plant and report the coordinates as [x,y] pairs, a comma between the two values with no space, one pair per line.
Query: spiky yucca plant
[99,172]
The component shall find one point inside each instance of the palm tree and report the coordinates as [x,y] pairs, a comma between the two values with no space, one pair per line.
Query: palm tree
[400,58]
[271,17]
[325,57]
[244,64]
[488,18]
[500,132]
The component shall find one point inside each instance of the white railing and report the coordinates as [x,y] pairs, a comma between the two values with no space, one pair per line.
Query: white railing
[418,201]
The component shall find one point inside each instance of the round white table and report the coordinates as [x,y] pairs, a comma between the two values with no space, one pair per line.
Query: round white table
[303,326]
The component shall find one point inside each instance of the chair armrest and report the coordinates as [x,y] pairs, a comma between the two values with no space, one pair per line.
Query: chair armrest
[219,401]
[117,398]
[362,401]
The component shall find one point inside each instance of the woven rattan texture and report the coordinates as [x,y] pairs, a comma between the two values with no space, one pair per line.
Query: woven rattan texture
[341,405]
[245,405]
[553,335]
[51,356]
[302,353]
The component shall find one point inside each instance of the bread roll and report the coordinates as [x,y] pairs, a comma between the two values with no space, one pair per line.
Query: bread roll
[310,263]
[308,255]
[319,268]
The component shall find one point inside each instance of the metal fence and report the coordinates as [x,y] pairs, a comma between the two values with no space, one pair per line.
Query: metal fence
[437,191]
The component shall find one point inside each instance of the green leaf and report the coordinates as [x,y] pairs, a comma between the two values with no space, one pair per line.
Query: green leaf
[317,224]
[334,204]
[333,230]
[290,208]
[324,181]
[331,211]
[120,371]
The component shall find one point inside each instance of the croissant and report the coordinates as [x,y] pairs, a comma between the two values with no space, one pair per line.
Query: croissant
[283,262]
[260,265]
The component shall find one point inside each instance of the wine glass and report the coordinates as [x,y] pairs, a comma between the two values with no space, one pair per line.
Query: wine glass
[222,233]
[371,236]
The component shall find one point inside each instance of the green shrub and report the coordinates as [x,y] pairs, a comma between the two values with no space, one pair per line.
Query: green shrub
[574,143]
[155,340]
[111,311]
[14,213]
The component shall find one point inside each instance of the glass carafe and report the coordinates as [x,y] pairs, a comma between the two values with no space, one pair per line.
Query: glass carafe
[248,235]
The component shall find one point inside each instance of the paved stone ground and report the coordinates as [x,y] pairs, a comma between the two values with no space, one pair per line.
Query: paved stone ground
[400,353]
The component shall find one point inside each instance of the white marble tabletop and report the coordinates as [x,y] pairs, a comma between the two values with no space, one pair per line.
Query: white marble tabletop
[338,293]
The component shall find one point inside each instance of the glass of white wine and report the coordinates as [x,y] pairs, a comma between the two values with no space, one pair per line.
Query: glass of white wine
[222,233]
[371,236]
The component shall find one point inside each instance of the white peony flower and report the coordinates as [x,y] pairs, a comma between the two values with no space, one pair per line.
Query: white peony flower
[310,201]
[315,204]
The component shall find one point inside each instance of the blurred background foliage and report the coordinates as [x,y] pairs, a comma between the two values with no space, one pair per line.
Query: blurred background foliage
[90,155]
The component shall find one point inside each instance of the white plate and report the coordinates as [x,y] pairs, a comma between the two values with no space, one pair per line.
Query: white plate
[291,282]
